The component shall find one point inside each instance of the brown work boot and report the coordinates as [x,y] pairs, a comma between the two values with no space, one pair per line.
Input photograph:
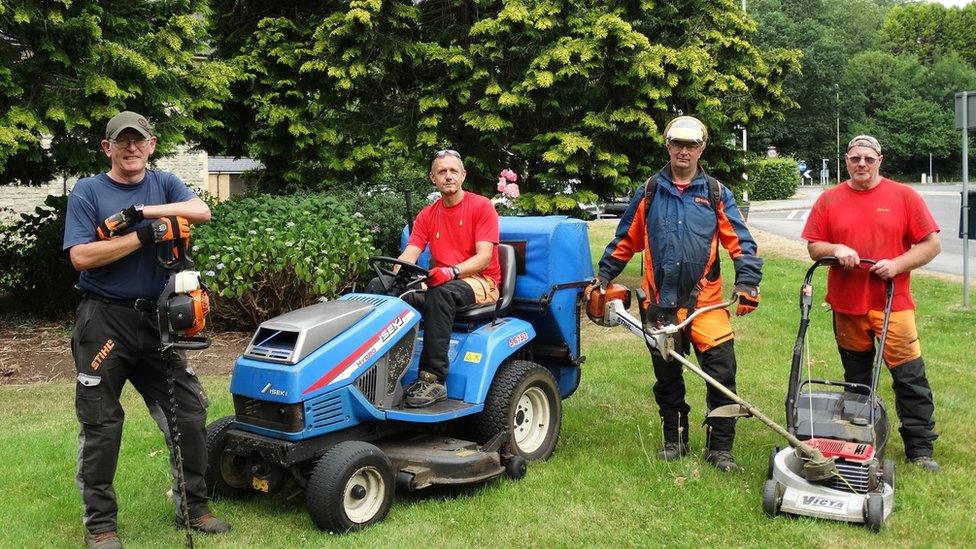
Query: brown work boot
[427,390]
[104,540]
[927,463]
[208,524]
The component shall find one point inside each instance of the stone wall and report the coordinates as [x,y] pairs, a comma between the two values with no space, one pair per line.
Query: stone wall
[15,199]
[190,166]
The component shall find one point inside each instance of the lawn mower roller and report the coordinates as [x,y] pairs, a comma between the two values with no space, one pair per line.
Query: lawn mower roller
[848,425]
[610,309]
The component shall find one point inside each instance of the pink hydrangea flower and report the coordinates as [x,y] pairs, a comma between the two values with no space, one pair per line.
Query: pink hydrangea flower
[501,184]
[512,190]
[508,175]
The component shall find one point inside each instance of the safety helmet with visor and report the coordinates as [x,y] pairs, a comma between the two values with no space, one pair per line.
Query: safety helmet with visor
[686,129]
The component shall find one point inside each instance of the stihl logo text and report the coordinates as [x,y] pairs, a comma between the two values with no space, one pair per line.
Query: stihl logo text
[106,349]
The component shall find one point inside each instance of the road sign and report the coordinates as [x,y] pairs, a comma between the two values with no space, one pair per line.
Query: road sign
[965,120]
[971,115]
[806,174]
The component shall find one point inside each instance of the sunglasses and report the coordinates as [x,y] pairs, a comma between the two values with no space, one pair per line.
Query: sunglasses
[447,152]
[139,142]
[869,160]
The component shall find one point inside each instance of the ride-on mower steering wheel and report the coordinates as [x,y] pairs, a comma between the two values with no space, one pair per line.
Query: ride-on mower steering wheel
[408,275]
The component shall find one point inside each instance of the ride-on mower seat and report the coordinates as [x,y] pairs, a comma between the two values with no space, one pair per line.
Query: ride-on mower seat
[489,311]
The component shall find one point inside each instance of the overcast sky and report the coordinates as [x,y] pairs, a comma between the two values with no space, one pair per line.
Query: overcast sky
[957,3]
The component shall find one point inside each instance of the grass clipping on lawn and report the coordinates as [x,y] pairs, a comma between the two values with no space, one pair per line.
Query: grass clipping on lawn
[602,487]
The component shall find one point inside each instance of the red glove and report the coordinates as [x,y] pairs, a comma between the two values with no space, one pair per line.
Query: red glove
[748,298]
[439,276]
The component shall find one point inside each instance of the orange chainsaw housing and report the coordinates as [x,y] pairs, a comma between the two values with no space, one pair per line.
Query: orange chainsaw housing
[596,302]
[201,308]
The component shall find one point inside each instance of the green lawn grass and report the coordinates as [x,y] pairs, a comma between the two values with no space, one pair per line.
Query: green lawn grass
[602,487]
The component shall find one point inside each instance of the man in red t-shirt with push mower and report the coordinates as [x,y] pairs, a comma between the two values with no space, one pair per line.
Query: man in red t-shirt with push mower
[869,216]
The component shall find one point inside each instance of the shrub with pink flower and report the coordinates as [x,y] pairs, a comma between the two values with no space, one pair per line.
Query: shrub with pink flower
[508,191]
[506,183]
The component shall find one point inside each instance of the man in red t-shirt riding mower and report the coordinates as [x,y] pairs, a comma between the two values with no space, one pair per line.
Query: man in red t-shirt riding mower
[869,216]
[461,229]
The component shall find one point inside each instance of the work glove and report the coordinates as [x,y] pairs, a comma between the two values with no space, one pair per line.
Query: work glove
[748,298]
[439,276]
[115,223]
[599,283]
[164,229]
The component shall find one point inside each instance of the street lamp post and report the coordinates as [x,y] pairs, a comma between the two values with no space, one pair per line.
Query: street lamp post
[837,108]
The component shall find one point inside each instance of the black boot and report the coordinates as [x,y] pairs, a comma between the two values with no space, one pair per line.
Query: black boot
[916,408]
[675,427]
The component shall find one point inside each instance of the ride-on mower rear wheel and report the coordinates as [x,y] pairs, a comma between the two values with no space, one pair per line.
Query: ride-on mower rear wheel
[524,400]
[227,474]
[351,487]
[771,498]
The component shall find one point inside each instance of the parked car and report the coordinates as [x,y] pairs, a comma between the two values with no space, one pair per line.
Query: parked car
[612,208]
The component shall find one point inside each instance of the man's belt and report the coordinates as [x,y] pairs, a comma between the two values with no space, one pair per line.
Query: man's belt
[140,304]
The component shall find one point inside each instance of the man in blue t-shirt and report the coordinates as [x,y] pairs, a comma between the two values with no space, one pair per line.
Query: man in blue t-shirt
[114,222]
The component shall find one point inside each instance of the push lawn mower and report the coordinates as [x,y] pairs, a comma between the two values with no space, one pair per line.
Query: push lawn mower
[848,424]
[318,394]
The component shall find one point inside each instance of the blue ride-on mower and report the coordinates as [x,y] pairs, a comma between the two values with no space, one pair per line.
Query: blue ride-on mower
[319,392]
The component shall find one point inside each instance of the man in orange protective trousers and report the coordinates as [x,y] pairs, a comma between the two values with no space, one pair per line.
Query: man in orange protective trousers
[679,218]
[869,216]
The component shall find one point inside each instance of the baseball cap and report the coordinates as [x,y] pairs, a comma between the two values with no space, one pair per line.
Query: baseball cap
[686,128]
[127,119]
[865,141]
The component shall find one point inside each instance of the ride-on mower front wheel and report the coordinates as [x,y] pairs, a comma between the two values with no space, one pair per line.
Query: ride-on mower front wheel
[524,400]
[227,474]
[351,487]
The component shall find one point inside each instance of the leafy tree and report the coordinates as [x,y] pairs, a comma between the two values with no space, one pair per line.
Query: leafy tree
[568,93]
[929,29]
[907,105]
[66,67]
[828,32]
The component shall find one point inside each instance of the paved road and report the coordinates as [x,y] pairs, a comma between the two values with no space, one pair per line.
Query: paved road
[786,218]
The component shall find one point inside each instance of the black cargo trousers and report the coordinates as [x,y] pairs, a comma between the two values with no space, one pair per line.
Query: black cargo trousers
[113,343]
[438,306]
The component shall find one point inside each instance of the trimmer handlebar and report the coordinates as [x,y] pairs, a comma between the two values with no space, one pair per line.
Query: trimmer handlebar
[672,328]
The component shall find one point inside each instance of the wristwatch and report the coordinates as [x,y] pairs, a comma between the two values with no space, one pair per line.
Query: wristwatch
[457,272]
